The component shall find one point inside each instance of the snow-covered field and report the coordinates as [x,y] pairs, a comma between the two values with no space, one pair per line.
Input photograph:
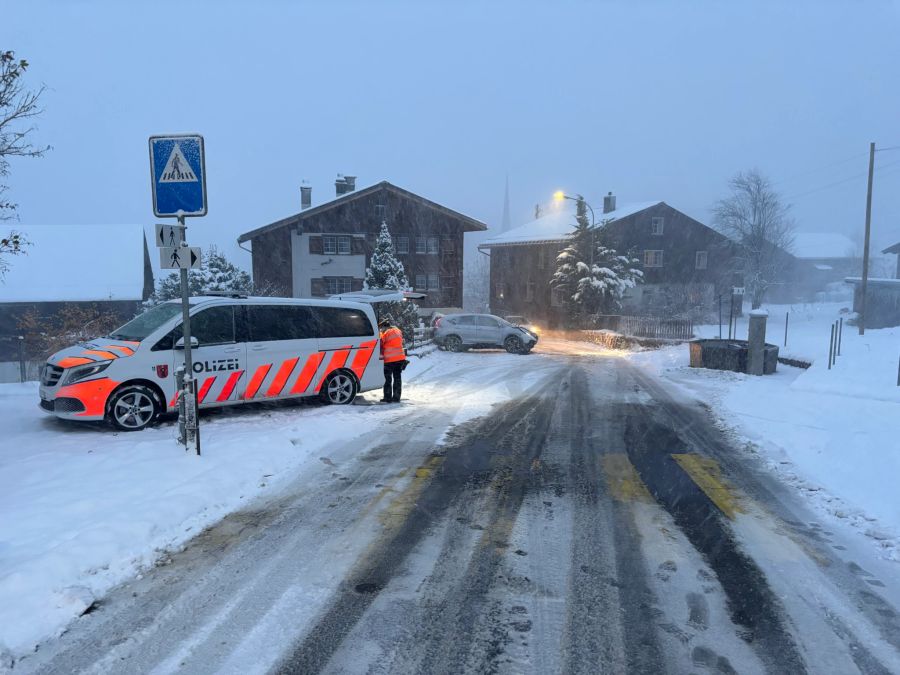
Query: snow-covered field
[832,433]
[85,508]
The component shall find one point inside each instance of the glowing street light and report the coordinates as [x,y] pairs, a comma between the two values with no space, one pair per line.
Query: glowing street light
[559,195]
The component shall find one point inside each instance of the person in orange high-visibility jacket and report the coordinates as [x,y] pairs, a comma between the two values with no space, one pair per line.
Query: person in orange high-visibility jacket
[394,356]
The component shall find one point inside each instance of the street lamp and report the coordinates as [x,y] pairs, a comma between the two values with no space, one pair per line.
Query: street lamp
[559,196]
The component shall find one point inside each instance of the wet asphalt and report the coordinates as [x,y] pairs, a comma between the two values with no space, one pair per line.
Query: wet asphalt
[592,525]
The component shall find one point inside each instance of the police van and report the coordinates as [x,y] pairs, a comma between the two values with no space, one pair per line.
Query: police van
[243,349]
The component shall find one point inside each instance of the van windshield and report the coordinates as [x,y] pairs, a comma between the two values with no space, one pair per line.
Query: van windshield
[142,325]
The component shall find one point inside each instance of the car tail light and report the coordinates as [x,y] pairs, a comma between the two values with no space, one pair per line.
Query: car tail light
[437,323]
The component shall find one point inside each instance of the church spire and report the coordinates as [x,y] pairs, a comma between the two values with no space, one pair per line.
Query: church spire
[505,224]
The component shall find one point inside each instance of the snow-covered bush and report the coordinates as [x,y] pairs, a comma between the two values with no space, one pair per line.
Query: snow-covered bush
[217,274]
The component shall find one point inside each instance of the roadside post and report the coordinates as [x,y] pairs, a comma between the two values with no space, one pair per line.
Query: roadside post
[831,347]
[22,374]
[720,316]
[178,182]
[840,335]
[786,317]
[756,342]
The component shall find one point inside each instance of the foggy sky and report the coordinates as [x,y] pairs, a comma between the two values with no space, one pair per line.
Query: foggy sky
[650,100]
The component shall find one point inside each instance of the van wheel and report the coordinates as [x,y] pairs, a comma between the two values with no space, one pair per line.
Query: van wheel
[453,343]
[133,407]
[513,345]
[339,389]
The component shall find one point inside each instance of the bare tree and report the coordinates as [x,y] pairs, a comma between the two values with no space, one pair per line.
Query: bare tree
[18,107]
[754,217]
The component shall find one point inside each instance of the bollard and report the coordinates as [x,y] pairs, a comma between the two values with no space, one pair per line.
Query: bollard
[898,372]
[831,347]
[786,315]
[756,342]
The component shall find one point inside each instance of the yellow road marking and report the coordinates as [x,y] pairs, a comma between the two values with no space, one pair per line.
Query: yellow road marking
[707,475]
[398,510]
[623,480]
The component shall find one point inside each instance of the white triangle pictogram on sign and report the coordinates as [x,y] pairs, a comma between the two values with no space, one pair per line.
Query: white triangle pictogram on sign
[177,168]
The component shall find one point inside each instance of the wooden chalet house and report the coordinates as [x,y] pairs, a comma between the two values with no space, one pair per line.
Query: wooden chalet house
[325,249]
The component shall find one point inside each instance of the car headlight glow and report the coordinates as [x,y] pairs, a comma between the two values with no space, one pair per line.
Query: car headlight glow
[79,373]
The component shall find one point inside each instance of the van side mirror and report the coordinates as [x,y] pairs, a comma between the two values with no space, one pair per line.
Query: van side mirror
[180,343]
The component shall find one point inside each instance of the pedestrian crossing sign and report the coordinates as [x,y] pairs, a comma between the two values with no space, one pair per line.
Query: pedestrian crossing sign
[178,175]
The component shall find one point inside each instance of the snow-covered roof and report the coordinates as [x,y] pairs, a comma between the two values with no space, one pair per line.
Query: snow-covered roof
[76,263]
[810,245]
[557,224]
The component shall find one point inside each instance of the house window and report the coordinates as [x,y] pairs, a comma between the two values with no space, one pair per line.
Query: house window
[401,245]
[656,224]
[421,246]
[337,285]
[381,212]
[529,292]
[653,258]
[329,245]
[434,282]
[420,281]
[448,245]
[343,245]
[701,261]
[434,245]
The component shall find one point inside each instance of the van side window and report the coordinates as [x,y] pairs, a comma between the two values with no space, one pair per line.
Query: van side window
[342,322]
[281,322]
[213,326]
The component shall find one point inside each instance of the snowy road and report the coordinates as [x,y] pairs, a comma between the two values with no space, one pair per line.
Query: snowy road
[591,523]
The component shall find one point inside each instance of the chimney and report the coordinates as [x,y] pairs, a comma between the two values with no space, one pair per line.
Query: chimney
[351,183]
[609,203]
[340,185]
[305,196]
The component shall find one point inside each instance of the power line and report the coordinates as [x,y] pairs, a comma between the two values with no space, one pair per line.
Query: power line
[879,172]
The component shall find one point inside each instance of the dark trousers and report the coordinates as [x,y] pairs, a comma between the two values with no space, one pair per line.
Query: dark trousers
[392,371]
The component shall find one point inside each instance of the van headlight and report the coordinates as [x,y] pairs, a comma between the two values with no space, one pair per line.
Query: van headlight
[79,373]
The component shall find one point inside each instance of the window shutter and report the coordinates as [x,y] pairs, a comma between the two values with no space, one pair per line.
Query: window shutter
[358,246]
[315,246]
[356,284]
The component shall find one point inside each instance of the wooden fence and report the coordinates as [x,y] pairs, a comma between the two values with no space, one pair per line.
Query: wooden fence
[644,326]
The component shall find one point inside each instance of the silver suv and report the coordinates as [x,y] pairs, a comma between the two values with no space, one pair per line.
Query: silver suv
[458,332]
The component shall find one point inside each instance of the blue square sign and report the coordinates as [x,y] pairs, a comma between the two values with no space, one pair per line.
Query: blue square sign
[178,175]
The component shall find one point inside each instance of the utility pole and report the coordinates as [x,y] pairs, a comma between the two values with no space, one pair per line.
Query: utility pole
[865,269]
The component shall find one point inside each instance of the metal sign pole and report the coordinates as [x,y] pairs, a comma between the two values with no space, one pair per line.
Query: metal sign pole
[189,394]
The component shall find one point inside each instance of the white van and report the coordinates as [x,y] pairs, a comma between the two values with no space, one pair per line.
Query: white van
[243,349]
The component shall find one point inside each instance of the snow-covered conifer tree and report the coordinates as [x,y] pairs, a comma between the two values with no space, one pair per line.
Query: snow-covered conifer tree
[592,277]
[217,274]
[386,271]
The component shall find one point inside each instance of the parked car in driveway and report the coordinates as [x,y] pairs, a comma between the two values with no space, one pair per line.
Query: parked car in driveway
[457,332]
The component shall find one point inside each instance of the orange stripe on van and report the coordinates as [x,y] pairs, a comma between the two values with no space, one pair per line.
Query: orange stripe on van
[204,390]
[308,373]
[362,357]
[229,386]
[174,399]
[281,377]
[257,380]
[102,354]
[126,351]
[338,359]
[71,361]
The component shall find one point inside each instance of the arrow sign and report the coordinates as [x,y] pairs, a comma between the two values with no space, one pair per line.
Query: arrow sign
[169,235]
[180,258]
